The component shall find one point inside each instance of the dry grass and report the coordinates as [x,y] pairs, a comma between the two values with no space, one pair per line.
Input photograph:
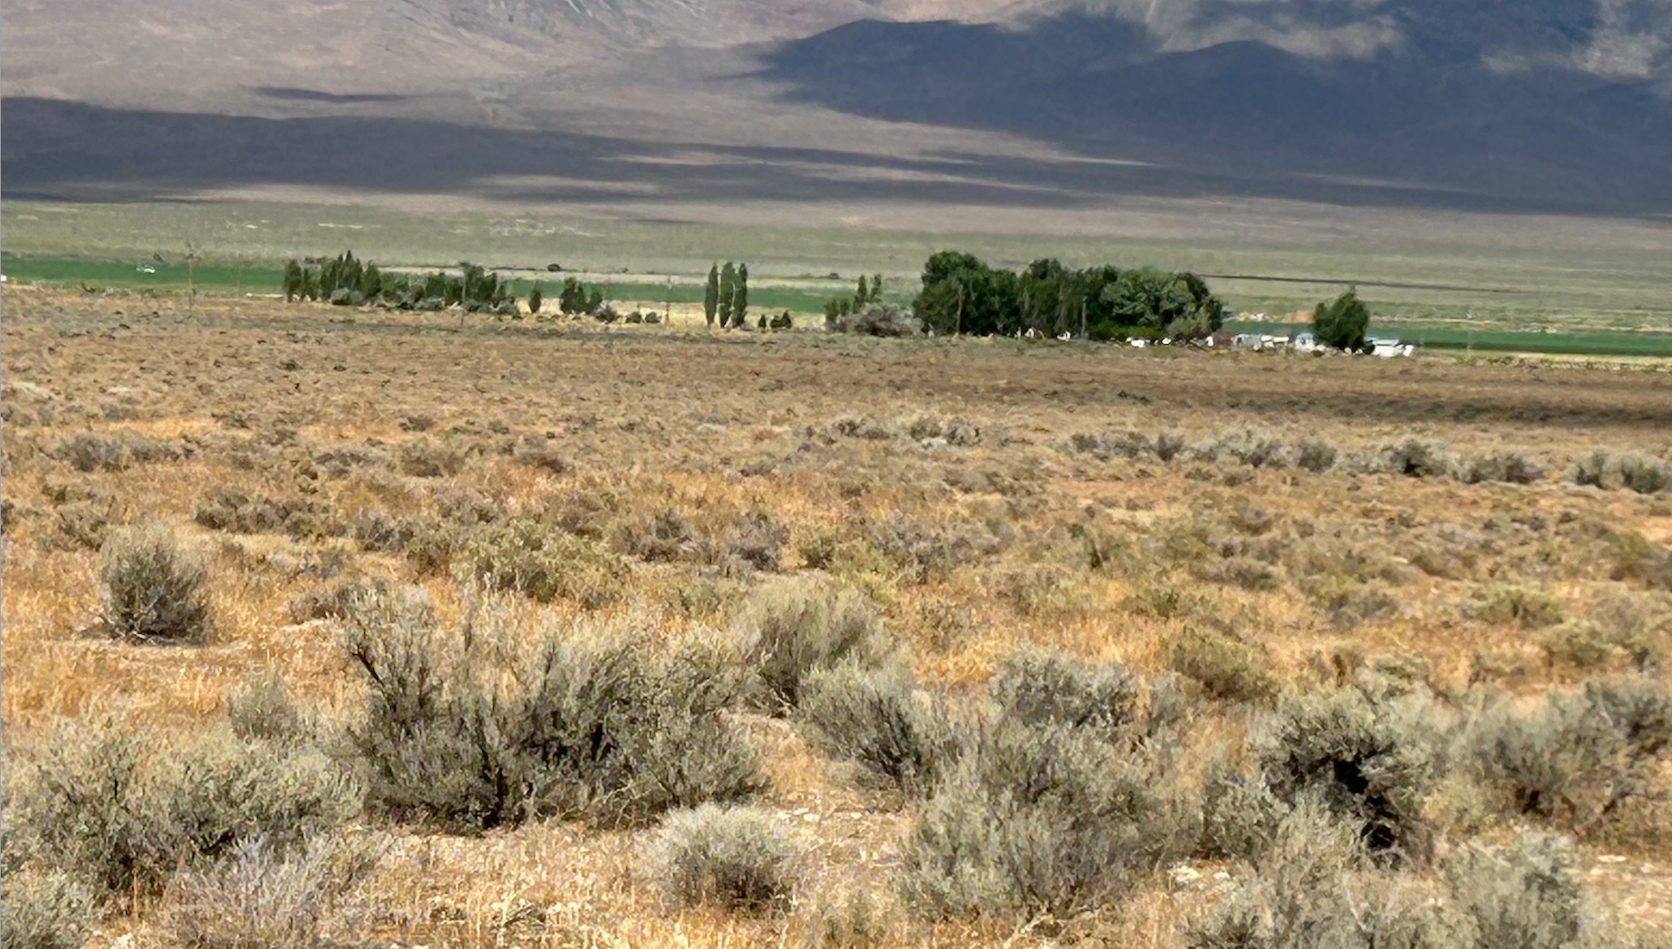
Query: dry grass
[966,549]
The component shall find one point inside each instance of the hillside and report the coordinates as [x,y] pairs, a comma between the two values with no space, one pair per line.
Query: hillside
[1557,106]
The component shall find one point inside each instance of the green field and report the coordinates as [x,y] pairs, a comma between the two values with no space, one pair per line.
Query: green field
[1573,299]
[1583,343]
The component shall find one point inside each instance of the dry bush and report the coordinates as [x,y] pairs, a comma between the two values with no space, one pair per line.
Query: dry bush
[332,597]
[1311,888]
[1254,448]
[150,589]
[430,458]
[844,917]
[1043,687]
[1419,458]
[788,628]
[536,452]
[1604,469]
[234,511]
[879,320]
[1226,667]
[263,897]
[94,802]
[525,556]
[739,858]
[619,731]
[665,537]
[1041,820]
[879,719]
[1365,761]
[1522,896]
[1315,456]
[113,451]
[1508,466]
[45,909]
[1577,758]
[1524,606]
[754,539]
[1103,447]
[86,524]
[262,708]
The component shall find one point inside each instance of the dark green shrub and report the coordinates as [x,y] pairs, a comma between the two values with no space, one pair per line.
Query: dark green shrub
[1040,820]
[45,909]
[150,589]
[878,719]
[738,858]
[791,627]
[618,731]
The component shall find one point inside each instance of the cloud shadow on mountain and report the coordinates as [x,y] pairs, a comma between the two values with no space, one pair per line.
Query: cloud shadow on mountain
[1428,128]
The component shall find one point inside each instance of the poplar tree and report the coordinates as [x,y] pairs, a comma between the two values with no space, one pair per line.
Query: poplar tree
[728,282]
[740,296]
[711,296]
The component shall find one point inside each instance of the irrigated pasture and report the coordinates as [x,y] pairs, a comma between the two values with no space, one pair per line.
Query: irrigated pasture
[365,627]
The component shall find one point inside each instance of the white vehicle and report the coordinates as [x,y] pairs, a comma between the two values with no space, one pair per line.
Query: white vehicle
[146,268]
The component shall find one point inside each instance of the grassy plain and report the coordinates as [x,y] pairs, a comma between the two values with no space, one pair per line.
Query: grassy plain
[1484,280]
[982,494]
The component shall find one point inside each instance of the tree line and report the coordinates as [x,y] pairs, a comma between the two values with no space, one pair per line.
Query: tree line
[725,301]
[961,294]
[347,281]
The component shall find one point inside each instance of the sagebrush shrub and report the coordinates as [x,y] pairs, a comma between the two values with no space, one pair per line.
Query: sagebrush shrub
[1255,448]
[45,909]
[1226,668]
[1419,458]
[1526,607]
[1511,467]
[1358,758]
[95,802]
[1311,888]
[739,858]
[263,708]
[525,556]
[1042,687]
[790,627]
[263,897]
[1315,456]
[1578,756]
[877,718]
[1040,820]
[844,917]
[150,589]
[1522,896]
[430,458]
[618,731]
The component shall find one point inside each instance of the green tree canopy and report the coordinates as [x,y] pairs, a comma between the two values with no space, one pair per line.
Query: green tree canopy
[1341,322]
[711,296]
